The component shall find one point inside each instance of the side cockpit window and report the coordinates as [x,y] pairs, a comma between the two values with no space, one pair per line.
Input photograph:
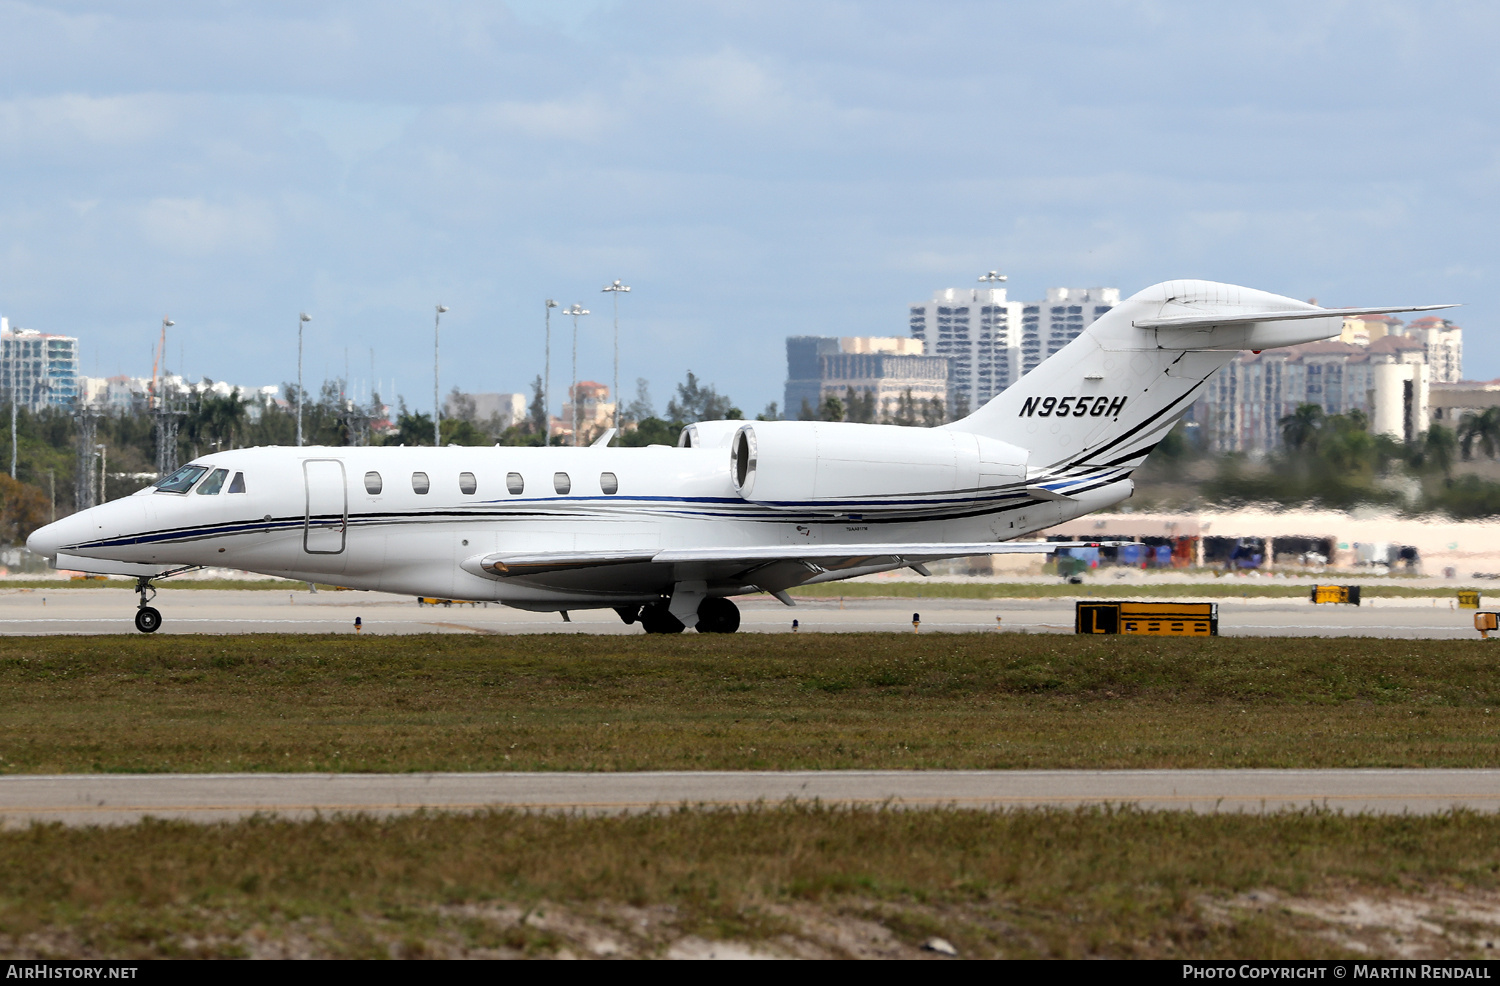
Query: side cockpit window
[237,485]
[182,480]
[214,483]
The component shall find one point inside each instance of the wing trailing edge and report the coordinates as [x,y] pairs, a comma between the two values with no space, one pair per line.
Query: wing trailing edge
[1195,321]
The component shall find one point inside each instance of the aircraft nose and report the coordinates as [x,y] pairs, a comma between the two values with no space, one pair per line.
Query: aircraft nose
[46,541]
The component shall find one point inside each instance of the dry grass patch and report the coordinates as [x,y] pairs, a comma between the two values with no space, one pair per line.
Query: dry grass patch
[792,881]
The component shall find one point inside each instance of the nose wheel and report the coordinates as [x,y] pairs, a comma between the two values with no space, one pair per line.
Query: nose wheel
[147,617]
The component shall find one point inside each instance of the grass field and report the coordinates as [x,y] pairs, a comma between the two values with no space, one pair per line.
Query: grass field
[787,880]
[562,702]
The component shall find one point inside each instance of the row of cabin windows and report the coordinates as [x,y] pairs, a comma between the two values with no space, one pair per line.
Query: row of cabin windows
[468,485]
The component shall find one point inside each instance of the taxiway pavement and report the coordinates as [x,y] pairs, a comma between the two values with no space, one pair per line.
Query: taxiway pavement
[113,799]
[86,611]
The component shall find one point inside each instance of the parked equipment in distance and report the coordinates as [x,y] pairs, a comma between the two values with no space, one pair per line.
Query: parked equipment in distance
[1336,594]
[1148,619]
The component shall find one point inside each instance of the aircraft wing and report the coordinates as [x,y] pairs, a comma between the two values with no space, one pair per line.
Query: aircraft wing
[1196,321]
[813,557]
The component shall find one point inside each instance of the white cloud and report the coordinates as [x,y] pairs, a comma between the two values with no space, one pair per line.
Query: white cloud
[77,120]
[194,227]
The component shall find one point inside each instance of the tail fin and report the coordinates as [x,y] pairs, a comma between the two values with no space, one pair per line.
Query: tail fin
[1096,408]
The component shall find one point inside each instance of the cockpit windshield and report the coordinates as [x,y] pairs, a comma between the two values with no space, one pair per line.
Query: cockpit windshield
[214,483]
[182,480]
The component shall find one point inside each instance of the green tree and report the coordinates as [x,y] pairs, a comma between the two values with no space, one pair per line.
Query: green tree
[411,428]
[23,508]
[652,431]
[1299,430]
[695,402]
[906,410]
[458,431]
[639,409]
[1481,429]
[932,412]
[832,409]
[537,413]
[1439,450]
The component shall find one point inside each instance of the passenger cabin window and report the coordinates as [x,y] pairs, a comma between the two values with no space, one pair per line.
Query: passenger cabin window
[373,484]
[214,483]
[420,483]
[608,483]
[467,483]
[182,480]
[561,482]
[237,484]
[515,483]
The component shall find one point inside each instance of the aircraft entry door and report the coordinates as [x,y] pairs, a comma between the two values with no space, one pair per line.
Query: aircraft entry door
[327,519]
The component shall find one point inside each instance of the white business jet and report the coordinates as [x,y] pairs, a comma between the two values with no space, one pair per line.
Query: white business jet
[666,535]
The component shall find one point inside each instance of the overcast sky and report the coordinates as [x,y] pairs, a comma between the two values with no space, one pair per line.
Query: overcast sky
[752,169]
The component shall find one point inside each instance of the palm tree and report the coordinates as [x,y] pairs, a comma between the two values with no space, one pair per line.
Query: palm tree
[1481,429]
[1438,449]
[1300,428]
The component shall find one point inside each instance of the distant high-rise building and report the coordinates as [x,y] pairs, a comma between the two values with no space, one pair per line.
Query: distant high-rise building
[1444,343]
[39,368]
[979,331]
[992,341]
[881,370]
[1049,325]
[502,409]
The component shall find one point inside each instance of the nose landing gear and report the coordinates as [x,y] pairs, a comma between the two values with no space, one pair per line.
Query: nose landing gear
[147,617]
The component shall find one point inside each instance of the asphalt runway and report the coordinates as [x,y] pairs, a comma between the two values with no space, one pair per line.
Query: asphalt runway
[114,799]
[88,611]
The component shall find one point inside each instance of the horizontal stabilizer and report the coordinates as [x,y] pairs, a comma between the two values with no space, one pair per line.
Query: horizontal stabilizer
[1194,321]
[1042,493]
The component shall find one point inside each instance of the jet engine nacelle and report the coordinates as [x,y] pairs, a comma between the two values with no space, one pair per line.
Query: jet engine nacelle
[810,463]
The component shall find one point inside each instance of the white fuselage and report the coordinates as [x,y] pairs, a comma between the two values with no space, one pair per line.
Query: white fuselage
[309,513]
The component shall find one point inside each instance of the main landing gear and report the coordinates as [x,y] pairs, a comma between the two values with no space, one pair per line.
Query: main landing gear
[147,617]
[715,615]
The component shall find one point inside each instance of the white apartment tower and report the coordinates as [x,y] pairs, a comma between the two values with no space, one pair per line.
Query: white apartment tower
[980,333]
[37,369]
[991,342]
[1051,324]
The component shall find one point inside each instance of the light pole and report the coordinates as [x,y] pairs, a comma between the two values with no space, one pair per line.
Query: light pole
[103,469]
[993,277]
[547,379]
[302,319]
[437,416]
[575,311]
[615,289]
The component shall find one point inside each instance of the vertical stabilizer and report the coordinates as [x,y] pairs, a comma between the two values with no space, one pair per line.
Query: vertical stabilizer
[1095,409]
